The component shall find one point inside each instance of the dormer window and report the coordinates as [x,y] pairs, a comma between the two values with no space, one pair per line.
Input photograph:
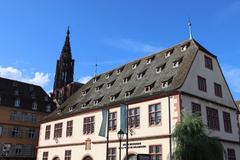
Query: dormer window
[113,97]
[166,83]
[140,75]
[129,93]
[85,92]
[98,88]
[148,88]
[168,53]
[17,102]
[96,79]
[34,106]
[109,85]
[70,109]
[85,104]
[160,68]
[108,75]
[149,60]
[177,63]
[184,47]
[119,70]
[16,92]
[126,79]
[97,101]
[135,65]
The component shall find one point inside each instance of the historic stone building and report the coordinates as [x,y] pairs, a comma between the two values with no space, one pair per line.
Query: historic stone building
[185,78]
[64,86]
[22,105]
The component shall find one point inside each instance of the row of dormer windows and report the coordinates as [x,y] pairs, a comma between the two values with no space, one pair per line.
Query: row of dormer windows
[149,61]
[127,94]
[17,103]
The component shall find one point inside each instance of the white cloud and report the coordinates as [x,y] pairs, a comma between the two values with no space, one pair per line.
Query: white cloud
[233,76]
[132,45]
[84,79]
[39,78]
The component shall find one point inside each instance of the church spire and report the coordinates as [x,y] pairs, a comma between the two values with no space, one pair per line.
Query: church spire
[66,50]
[65,65]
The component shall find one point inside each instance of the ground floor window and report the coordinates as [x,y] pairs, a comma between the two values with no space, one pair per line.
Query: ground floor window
[45,156]
[156,152]
[67,155]
[112,154]
[231,154]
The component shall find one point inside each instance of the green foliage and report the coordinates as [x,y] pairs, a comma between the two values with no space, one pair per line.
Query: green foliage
[192,143]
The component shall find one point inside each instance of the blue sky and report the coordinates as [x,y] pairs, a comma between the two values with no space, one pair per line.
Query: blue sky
[112,33]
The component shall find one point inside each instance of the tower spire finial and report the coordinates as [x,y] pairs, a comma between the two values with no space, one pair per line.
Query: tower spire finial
[68,30]
[190,28]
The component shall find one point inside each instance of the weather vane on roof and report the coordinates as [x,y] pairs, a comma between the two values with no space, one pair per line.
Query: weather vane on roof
[190,28]
[96,67]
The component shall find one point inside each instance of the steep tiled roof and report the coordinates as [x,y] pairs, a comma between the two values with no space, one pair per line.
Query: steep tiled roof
[160,73]
[28,94]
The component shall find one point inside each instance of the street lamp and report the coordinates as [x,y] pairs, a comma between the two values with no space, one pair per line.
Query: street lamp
[120,135]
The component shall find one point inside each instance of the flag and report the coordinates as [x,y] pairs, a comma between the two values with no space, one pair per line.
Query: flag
[123,118]
[103,128]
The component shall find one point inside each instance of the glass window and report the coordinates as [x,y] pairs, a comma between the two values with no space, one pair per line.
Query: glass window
[112,121]
[218,90]
[202,84]
[68,155]
[156,152]
[112,153]
[208,62]
[134,117]
[231,154]
[58,130]
[88,125]
[47,132]
[212,118]
[196,108]
[155,114]
[227,122]
[45,156]
[69,129]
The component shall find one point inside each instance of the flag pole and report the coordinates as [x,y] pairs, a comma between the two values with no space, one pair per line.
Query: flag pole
[107,134]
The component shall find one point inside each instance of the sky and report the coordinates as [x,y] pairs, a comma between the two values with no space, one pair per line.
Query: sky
[111,33]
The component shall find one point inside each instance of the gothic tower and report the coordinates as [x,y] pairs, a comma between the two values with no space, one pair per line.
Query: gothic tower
[65,66]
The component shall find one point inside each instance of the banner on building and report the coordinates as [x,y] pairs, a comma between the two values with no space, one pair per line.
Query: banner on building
[123,117]
[103,128]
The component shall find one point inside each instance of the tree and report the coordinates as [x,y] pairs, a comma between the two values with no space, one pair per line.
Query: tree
[192,142]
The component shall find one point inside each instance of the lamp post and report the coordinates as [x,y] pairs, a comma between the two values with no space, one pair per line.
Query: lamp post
[120,135]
